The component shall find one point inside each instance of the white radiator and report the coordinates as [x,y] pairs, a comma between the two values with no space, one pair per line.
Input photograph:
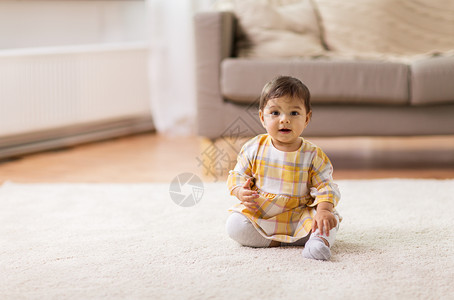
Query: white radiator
[54,96]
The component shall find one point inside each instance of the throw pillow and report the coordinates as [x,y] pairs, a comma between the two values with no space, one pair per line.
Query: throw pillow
[276,28]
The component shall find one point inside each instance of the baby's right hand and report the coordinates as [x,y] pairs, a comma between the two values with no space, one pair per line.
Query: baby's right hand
[247,196]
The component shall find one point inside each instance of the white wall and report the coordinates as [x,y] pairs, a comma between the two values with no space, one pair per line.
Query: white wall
[40,23]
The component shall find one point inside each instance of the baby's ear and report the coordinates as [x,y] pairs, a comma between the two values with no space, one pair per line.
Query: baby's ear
[262,118]
[308,117]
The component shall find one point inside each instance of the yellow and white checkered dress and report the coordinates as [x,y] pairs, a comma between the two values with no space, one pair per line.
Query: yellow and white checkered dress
[290,185]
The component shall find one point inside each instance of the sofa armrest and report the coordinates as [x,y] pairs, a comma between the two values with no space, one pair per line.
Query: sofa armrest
[214,39]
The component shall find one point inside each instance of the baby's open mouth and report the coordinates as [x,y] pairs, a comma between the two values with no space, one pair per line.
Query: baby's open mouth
[285,130]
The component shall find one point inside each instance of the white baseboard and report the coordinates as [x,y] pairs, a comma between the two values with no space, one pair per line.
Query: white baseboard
[17,145]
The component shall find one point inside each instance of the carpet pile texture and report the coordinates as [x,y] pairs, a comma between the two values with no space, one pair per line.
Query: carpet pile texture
[116,241]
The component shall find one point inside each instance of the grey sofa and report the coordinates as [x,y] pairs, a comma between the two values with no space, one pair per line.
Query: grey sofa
[349,98]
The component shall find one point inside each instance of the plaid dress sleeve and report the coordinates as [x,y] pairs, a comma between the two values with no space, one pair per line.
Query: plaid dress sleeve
[322,187]
[243,168]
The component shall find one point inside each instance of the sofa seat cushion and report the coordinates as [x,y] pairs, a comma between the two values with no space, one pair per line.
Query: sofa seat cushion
[432,81]
[330,81]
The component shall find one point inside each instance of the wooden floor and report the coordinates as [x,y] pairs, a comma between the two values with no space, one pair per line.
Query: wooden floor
[157,158]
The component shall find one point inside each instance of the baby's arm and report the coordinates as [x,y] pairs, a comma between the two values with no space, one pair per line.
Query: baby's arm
[246,195]
[324,220]
[325,192]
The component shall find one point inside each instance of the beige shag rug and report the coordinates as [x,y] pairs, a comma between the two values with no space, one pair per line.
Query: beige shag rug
[131,241]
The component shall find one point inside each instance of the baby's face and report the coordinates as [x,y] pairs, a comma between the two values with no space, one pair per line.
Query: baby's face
[285,119]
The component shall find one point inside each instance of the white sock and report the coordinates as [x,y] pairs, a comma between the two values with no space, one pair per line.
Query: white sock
[316,248]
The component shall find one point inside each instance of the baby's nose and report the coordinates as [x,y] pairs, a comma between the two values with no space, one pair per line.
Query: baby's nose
[284,118]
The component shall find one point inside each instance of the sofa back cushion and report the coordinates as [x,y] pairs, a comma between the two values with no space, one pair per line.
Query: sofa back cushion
[349,28]
[400,27]
[276,28]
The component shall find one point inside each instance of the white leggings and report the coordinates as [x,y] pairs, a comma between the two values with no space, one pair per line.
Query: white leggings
[240,229]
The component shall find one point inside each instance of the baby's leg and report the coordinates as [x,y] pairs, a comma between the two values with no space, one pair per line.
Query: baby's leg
[298,243]
[240,229]
[318,246]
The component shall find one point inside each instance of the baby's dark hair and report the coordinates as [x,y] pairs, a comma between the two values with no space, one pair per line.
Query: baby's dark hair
[285,86]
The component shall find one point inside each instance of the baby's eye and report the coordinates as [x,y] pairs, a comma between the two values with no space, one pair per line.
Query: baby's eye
[294,113]
[274,113]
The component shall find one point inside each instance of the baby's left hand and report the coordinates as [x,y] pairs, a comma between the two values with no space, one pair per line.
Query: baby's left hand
[324,220]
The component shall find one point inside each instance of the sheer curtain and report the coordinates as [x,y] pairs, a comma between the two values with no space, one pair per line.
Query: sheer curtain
[172,64]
